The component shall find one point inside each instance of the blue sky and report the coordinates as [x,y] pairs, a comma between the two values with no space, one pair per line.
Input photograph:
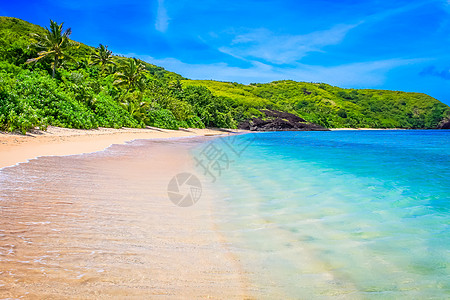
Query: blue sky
[396,45]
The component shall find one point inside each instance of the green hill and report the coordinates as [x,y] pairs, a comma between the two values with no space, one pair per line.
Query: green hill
[88,92]
[335,107]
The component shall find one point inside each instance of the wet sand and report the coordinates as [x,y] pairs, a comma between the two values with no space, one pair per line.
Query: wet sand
[101,225]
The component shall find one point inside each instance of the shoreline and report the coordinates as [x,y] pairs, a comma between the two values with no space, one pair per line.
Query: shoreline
[146,247]
[343,129]
[57,141]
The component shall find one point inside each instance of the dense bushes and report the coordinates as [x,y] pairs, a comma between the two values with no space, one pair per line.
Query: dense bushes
[119,92]
[76,100]
[16,114]
[162,118]
[33,99]
[213,111]
[109,113]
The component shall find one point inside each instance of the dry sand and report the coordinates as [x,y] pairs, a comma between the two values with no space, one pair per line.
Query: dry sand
[15,148]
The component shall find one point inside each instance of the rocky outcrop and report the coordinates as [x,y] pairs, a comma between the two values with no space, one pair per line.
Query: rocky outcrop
[445,124]
[280,121]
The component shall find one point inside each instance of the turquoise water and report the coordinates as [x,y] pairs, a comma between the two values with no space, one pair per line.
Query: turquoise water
[346,214]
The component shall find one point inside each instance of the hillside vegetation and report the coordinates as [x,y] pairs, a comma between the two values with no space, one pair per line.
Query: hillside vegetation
[335,107]
[92,87]
[48,79]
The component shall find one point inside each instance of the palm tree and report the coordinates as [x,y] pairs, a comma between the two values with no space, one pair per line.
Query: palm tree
[176,85]
[111,69]
[53,43]
[102,56]
[83,63]
[131,75]
[136,108]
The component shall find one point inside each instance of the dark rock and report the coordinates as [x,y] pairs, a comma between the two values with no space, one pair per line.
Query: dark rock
[306,92]
[282,115]
[445,124]
[245,125]
[279,121]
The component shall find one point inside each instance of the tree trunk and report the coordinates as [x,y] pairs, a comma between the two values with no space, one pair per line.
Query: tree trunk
[54,67]
[126,92]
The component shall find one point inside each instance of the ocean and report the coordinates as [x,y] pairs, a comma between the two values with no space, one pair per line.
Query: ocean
[346,214]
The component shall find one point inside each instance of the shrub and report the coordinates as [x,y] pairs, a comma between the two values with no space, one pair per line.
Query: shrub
[109,113]
[162,118]
[34,99]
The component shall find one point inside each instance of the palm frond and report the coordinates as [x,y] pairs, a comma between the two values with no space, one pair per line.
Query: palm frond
[54,43]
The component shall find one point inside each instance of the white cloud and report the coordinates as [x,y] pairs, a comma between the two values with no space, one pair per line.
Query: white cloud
[263,44]
[162,19]
[284,49]
[216,71]
[413,5]
[446,5]
[361,74]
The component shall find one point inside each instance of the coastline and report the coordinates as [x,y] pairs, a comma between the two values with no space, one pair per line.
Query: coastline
[57,141]
[99,243]
[342,129]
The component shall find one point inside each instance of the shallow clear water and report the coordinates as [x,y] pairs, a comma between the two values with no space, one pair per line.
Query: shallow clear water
[354,214]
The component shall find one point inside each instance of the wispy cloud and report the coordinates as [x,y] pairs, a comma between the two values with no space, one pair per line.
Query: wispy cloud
[361,74]
[445,5]
[270,47]
[284,49]
[413,5]
[433,71]
[162,19]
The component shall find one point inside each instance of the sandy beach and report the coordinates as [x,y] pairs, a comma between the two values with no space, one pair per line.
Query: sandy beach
[101,225]
[16,148]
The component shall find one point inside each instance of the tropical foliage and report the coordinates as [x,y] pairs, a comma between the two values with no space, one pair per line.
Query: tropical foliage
[53,43]
[102,56]
[72,85]
[131,75]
